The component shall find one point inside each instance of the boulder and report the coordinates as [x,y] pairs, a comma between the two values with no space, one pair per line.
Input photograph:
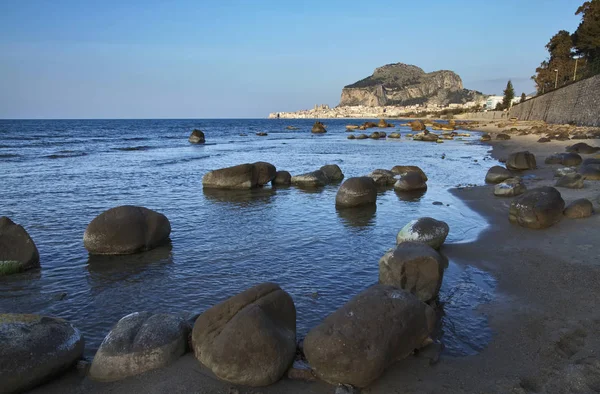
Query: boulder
[424,230]
[383,124]
[197,137]
[383,177]
[590,172]
[262,134]
[417,125]
[355,192]
[333,172]
[282,178]
[125,230]
[249,339]
[591,161]
[311,179]
[375,135]
[497,174]
[403,170]
[570,181]
[510,187]
[352,127]
[379,326]
[18,252]
[520,161]
[415,267]
[291,128]
[537,208]
[426,136]
[579,209]
[544,139]
[411,181]
[265,172]
[318,128]
[566,159]
[485,137]
[582,147]
[559,172]
[362,137]
[351,137]
[382,134]
[369,125]
[140,342]
[394,135]
[503,137]
[243,176]
[34,349]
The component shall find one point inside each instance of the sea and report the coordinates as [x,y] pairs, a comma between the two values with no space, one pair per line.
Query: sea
[57,175]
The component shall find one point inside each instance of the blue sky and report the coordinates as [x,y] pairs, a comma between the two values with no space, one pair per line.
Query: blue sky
[214,59]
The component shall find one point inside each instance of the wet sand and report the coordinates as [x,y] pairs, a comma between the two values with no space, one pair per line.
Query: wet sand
[544,316]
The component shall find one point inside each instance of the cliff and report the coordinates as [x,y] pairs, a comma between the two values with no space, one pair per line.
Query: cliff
[403,84]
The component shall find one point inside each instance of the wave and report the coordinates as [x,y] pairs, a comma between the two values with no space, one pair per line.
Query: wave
[136,139]
[8,156]
[65,155]
[183,160]
[133,148]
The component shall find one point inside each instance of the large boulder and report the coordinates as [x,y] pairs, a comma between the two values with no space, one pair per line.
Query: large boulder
[311,179]
[537,208]
[383,124]
[333,172]
[417,125]
[140,342]
[266,172]
[282,178]
[403,170]
[125,230]
[590,172]
[579,209]
[411,181]
[497,174]
[34,349]
[426,136]
[510,187]
[383,177]
[570,181]
[355,344]
[249,339]
[18,252]
[566,159]
[394,135]
[318,128]
[362,137]
[424,230]
[243,176]
[520,161]
[415,267]
[355,192]
[582,147]
[485,137]
[197,137]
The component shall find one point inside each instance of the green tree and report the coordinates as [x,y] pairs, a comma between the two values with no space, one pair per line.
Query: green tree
[509,94]
[523,97]
[560,63]
[586,38]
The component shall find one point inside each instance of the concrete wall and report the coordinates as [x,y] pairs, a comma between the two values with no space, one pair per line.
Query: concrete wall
[490,115]
[578,104]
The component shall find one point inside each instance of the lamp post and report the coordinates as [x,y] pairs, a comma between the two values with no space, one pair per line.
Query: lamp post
[575,72]
[556,80]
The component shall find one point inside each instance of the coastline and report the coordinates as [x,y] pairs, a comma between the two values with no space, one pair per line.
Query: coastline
[542,318]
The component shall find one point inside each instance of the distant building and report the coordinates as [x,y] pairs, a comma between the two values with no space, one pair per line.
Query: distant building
[492,101]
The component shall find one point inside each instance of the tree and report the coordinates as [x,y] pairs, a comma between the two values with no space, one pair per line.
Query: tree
[523,97]
[587,36]
[509,95]
[560,63]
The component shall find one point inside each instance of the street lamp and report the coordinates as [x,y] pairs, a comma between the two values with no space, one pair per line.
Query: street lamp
[575,72]
[556,80]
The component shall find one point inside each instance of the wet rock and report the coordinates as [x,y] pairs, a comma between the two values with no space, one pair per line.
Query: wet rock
[510,187]
[282,178]
[197,137]
[570,181]
[265,172]
[411,181]
[382,324]
[520,161]
[582,147]
[578,209]
[351,137]
[18,252]
[503,137]
[318,128]
[544,139]
[590,172]
[394,135]
[333,172]
[424,230]
[140,342]
[559,172]
[403,170]
[351,127]
[291,128]
[417,125]
[311,179]
[356,192]
[383,177]
[374,136]
[125,230]
[383,124]
[427,137]
[369,125]
[537,208]
[485,137]
[262,134]
[566,159]
[497,174]
[243,176]
[249,339]
[415,267]
[382,134]
[362,137]
[34,349]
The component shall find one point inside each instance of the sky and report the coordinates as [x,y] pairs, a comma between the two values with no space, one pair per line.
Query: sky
[62,59]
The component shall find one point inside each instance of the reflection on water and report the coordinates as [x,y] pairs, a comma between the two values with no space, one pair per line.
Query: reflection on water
[413,196]
[358,217]
[242,198]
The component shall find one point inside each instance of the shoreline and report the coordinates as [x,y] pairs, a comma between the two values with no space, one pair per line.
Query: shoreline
[542,317]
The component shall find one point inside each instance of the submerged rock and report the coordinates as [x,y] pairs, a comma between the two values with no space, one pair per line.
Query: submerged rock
[125,230]
[537,208]
[197,137]
[403,170]
[18,252]
[394,135]
[243,176]
[333,172]
[411,181]
[282,178]
[579,209]
[415,267]
[34,349]
[249,339]
[355,344]
[355,192]
[497,174]
[424,230]
[140,342]
[510,187]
